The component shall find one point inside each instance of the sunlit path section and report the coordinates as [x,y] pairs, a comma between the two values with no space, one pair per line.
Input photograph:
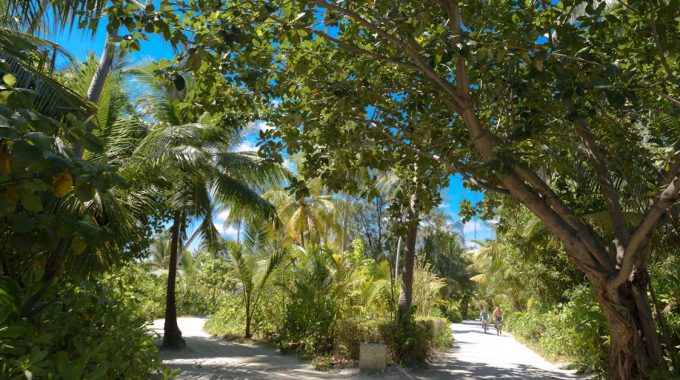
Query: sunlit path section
[476,355]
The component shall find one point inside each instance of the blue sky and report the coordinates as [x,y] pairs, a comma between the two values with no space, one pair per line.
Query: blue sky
[80,44]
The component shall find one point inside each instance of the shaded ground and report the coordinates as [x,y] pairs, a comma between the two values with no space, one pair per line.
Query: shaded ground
[475,355]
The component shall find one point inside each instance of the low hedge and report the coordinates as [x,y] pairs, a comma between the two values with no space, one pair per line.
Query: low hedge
[410,342]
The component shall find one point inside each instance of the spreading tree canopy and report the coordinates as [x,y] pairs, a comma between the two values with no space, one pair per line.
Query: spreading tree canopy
[568,107]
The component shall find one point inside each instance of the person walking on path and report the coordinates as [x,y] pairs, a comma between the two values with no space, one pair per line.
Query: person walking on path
[484,317]
[498,316]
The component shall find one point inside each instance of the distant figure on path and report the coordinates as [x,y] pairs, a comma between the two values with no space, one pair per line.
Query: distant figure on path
[498,316]
[484,317]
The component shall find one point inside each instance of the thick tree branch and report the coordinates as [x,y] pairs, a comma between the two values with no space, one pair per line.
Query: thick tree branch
[583,232]
[453,13]
[645,228]
[595,243]
[611,197]
[572,238]
[588,256]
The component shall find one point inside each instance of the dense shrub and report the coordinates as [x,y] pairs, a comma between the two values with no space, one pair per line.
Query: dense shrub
[72,332]
[140,287]
[409,343]
[198,293]
[576,330]
[309,323]
[451,311]
[412,341]
[229,319]
[325,304]
[350,333]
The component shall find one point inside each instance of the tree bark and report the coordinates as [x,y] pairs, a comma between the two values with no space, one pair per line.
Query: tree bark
[173,336]
[248,317]
[94,92]
[406,293]
[634,346]
[103,68]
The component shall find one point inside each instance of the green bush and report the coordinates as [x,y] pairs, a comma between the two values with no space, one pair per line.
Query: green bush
[140,287]
[442,336]
[452,312]
[198,294]
[309,325]
[72,332]
[576,330]
[410,342]
[229,319]
[350,333]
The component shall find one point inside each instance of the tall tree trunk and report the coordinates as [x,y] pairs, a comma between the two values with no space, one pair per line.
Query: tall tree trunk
[238,232]
[379,213]
[406,293]
[94,92]
[344,229]
[464,305]
[173,336]
[248,318]
[103,68]
[397,268]
[634,345]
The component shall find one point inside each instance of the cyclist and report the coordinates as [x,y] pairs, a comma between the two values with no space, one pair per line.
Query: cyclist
[498,316]
[484,317]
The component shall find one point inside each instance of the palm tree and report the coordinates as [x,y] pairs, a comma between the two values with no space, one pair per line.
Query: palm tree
[159,250]
[307,210]
[197,171]
[30,62]
[254,260]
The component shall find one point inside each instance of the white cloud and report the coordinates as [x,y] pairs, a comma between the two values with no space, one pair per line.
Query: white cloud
[258,125]
[289,164]
[227,231]
[470,245]
[472,226]
[222,216]
[477,230]
[246,146]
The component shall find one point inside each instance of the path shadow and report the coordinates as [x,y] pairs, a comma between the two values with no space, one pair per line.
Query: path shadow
[467,370]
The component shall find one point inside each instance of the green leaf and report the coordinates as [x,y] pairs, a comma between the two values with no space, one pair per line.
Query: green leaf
[21,223]
[9,79]
[31,201]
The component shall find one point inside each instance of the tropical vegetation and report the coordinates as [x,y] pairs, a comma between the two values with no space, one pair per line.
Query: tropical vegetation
[125,188]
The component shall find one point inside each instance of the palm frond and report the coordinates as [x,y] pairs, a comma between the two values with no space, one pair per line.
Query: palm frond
[61,13]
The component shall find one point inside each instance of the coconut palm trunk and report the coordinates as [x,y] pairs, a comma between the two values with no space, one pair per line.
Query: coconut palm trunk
[172,337]
[94,92]
[104,68]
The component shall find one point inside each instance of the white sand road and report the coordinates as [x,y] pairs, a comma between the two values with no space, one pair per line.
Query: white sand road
[474,355]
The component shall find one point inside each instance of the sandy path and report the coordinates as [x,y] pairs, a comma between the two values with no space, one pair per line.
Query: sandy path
[210,358]
[475,355]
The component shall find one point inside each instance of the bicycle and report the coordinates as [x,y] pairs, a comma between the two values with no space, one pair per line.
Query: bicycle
[499,326]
